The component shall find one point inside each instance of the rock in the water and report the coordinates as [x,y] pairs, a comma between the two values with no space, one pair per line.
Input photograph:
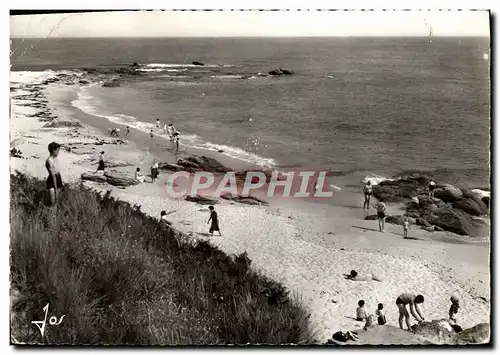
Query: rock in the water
[94,177]
[202,200]
[195,62]
[62,124]
[448,193]
[119,180]
[480,333]
[280,71]
[471,205]
[394,220]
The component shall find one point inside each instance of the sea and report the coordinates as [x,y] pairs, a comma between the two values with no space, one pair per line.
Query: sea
[357,108]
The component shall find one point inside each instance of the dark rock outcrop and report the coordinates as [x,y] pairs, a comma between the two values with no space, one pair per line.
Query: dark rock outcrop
[400,190]
[113,83]
[394,220]
[119,180]
[198,163]
[94,177]
[170,167]
[478,334]
[62,124]
[202,200]
[279,72]
[372,217]
[248,200]
[452,220]
[197,63]
[472,205]
[448,193]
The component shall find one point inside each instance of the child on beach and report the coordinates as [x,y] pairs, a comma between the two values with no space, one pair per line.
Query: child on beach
[100,166]
[381,208]
[367,190]
[380,314]
[454,308]
[360,311]
[412,300]
[406,226]
[54,181]
[154,171]
[138,176]
[215,221]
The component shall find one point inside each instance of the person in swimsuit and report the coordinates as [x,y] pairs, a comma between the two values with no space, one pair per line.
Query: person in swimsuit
[154,171]
[381,208]
[405,299]
[171,131]
[432,187]
[101,166]
[367,190]
[176,141]
[360,311]
[406,226]
[138,176]
[54,181]
[215,221]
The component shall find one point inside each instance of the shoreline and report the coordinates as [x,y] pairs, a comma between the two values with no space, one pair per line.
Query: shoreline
[300,251]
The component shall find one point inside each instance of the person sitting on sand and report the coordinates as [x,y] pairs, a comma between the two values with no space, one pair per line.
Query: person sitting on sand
[381,208]
[138,176]
[163,218]
[432,187]
[360,311]
[406,226]
[54,180]
[405,299]
[215,221]
[380,314]
[454,308]
[100,166]
[354,276]
[154,171]
[367,190]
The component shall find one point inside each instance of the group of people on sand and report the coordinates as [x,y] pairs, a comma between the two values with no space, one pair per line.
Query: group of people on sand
[382,208]
[154,173]
[115,132]
[169,130]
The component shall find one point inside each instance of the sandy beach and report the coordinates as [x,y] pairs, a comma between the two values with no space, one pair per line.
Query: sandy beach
[307,246]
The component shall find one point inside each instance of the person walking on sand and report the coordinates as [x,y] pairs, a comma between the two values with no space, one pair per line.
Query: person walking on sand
[409,299]
[158,123]
[214,227]
[54,180]
[406,226]
[367,190]
[381,208]
[154,171]
[432,187]
[101,165]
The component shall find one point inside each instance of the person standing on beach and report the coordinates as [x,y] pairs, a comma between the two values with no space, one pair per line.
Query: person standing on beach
[176,141]
[454,308]
[215,221]
[367,190]
[157,123]
[165,128]
[154,171]
[128,131]
[151,134]
[54,181]
[409,299]
[381,208]
[406,226]
[432,187]
[101,166]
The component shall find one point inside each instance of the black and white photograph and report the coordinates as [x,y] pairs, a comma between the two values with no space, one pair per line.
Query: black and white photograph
[245,177]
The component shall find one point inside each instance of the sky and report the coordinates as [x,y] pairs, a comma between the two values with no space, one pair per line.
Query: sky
[252,24]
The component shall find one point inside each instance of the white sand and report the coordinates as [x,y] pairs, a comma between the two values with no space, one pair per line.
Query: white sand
[291,244]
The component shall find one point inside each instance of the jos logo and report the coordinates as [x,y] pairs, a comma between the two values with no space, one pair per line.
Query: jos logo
[52,321]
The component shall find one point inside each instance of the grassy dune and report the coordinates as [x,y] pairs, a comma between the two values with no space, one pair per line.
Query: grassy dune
[121,277]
